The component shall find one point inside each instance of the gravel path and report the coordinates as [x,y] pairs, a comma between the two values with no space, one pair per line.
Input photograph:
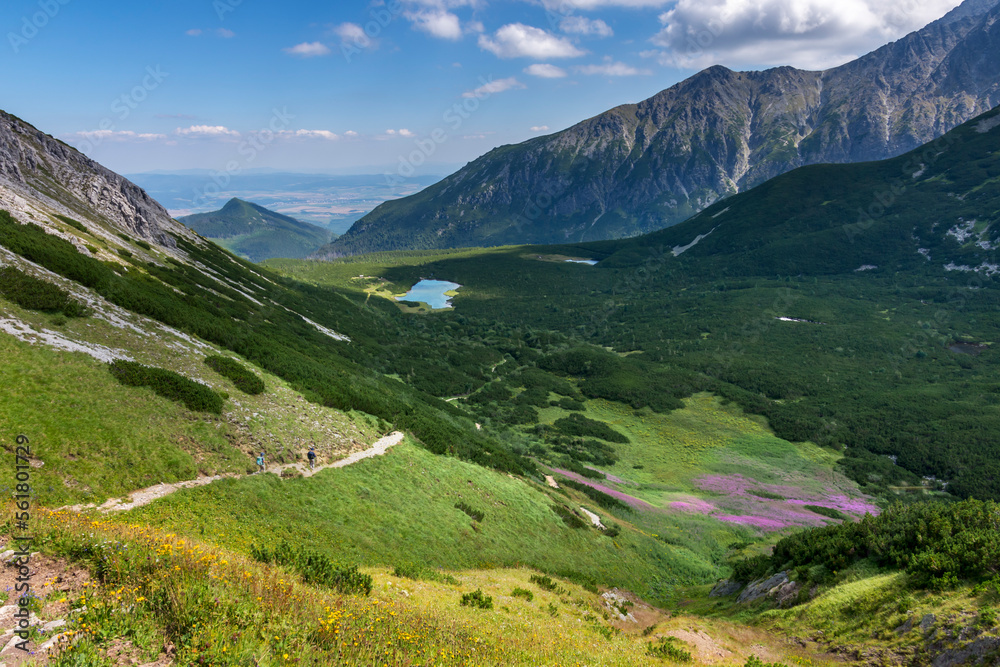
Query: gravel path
[149,494]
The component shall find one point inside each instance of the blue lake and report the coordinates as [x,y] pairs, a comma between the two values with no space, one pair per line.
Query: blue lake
[431,292]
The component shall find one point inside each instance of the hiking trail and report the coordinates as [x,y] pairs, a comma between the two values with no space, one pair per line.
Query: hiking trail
[149,494]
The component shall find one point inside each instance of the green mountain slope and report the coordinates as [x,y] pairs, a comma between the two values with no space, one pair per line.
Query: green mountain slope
[642,167]
[853,306]
[257,233]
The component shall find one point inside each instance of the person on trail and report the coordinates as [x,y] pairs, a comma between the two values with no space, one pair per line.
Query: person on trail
[260,462]
[312,457]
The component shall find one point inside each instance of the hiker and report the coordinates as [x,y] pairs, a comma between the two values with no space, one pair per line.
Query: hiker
[260,462]
[312,457]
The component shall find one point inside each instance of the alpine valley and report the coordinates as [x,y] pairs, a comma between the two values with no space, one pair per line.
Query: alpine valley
[736,402]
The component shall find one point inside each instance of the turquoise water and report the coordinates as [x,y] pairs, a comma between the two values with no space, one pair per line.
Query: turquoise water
[589,262]
[431,292]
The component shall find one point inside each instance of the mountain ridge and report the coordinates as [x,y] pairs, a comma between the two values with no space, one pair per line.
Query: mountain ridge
[642,167]
[256,232]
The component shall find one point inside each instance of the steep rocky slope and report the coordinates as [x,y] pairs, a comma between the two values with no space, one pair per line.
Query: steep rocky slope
[41,176]
[643,167]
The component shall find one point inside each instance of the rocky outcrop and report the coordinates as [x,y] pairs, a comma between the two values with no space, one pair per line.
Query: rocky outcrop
[762,588]
[643,167]
[41,176]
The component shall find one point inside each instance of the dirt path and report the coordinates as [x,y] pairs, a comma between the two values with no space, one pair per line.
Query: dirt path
[149,494]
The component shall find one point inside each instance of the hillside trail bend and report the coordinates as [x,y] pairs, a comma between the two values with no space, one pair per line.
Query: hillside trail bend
[149,494]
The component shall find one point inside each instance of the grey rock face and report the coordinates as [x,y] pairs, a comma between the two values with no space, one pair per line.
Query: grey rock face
[642,167]
[40,173]
[763,587]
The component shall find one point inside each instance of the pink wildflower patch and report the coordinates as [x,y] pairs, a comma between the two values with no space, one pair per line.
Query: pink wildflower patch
[624,497]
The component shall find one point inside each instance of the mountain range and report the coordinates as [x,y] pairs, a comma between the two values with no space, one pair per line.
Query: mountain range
[602,446]
[257,233]
[642,167]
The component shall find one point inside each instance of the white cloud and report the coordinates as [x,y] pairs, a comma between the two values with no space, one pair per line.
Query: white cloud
[517,40]
[494,87]
[611,68]
[581,25]
[350,133]
[810,34]
[406,133]
[225,33]
[206,131]
[308,50]
[540,128]
[313,134]
[391,133]
[563,6]
[436,23]
[194,32]
[545,71]
[112,135]
[351,34]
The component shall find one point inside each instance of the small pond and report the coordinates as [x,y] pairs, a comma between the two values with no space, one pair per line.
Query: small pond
[431,292]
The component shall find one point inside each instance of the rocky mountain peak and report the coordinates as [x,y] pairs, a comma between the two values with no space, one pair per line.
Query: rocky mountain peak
[41,176]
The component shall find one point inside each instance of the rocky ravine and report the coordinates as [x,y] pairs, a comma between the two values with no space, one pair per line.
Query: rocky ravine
[642,167]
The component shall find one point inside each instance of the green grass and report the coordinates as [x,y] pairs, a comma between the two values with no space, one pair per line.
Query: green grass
[101,439]
[400,508]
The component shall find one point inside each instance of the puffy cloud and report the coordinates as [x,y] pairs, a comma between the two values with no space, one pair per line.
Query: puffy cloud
[352,34]
[494,87]
[313,134]
[206,131]
[545,71]
[580,25]
[810,34]
[611,68]
[540,128]
[517,40]
[406,133]
[350,133]
[436,23]
[564,6]
[308,50]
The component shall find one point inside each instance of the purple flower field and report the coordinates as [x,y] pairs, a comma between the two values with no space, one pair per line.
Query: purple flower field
[624,497]
[736,503]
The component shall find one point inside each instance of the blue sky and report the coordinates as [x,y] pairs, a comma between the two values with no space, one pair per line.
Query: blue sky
[385,84]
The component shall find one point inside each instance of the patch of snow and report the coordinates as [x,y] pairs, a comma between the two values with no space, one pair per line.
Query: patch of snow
[329,332]
[53,339]
[920,172]
[721,212]
[865,267]
[589,262]
[962,231]
[594,519]
[792,319]
[952,266]
[925,252]
[985,126]
[679,250]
